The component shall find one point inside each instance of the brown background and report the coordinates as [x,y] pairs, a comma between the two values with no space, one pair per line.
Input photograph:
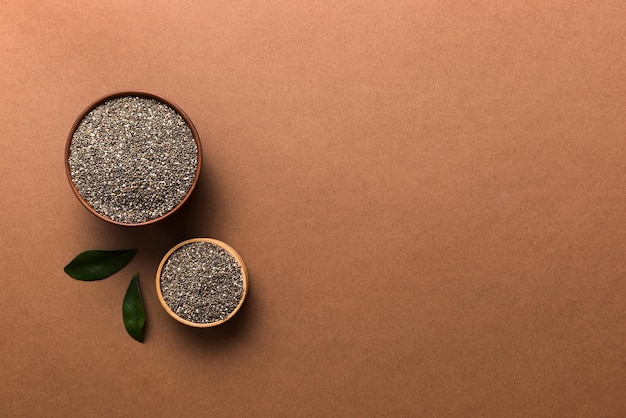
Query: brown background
[429,196]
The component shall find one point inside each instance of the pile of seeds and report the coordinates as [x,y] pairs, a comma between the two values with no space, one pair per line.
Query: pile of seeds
[133,159]
[202,282]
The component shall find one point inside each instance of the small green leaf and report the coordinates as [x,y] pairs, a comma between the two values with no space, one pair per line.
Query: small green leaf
[133,311]
[98,264]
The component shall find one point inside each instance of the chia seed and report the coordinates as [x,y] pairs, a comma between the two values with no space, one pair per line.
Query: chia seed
[202,282]
[133,159]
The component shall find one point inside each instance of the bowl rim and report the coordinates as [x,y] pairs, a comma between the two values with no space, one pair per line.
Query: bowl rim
[231,251]
[132,93]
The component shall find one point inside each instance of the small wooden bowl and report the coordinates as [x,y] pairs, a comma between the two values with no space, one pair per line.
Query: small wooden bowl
[227,248]
[147,95]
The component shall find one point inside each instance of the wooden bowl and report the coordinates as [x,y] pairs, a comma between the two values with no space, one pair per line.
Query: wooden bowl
[141,94]
[229,250]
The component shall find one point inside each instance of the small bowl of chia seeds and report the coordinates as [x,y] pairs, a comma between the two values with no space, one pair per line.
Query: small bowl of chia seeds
[202,282]
[133,158]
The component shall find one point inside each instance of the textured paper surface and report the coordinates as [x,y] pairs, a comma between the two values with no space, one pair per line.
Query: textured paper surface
[429,197]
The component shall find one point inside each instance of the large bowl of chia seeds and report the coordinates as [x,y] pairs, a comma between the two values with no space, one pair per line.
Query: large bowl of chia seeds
[133,158]
[202,282]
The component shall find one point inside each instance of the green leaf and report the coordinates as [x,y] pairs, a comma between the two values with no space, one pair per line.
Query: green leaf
[98,264]
[133,311]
